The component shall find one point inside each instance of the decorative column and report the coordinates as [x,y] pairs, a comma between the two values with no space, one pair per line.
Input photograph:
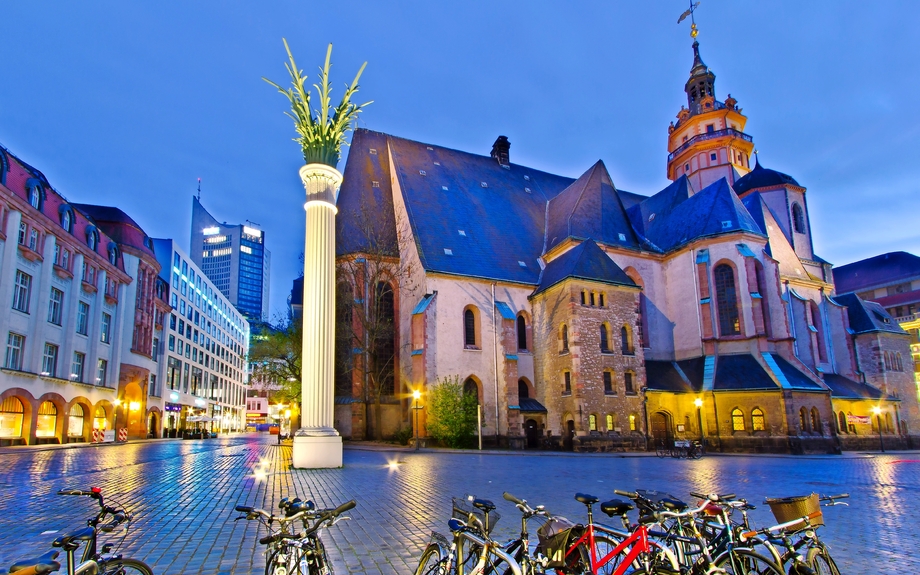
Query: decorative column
[317,444]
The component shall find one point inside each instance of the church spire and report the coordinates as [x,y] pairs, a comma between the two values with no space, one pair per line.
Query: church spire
[701,84]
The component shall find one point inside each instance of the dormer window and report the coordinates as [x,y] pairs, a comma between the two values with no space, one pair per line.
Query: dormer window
[35,196]
[66,218]
[92,238]
[113,254]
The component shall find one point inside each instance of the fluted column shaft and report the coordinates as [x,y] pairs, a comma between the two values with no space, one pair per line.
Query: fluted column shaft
[321,183]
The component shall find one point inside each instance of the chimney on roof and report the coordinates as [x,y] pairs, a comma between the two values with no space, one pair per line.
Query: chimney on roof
[500,151]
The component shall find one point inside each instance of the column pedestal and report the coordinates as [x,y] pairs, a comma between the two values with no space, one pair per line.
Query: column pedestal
[317,444]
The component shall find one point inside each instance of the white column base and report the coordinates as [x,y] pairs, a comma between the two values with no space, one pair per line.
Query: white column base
[312,452]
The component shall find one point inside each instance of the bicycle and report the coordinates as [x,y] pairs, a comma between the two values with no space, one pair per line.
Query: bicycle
[817,559]
[447,557]
[105,562]
[36,565]
[290,553]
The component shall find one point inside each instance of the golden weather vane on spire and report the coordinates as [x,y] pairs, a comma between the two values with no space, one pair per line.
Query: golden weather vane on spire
[689,12]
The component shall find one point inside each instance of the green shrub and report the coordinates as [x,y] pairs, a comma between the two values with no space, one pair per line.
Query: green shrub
[451,413]
[403,435]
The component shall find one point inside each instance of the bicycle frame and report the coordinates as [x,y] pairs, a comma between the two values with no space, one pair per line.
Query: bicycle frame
[489,547]
[639,537]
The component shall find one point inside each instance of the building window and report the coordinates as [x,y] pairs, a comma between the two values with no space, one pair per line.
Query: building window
[105,328]
[23,233]
[565,339]
[15,343]
[710,128]
[798,218]
[757,420]
[113,255]
[566,383]
[818,327]
[102,366]
[632,421]
[712,157]
[49,360]
[605,338]
[76,369]
[842,423]
[608,384]
[22,291]
[522,333]
[523,390]
[727,300]
[816,426]
[584,298]
[92,238]
[626,344]
[47,420]
[65,259]
[592,422]
[33,240]
[737,420]
[803,420]
[469,329]
[601,299]
[152,389]
[35,196]
[55,306]
[471,388]
[628,383]
[82,317]
[610,422]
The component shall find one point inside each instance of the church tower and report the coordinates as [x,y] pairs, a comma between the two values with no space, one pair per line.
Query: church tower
[708,142]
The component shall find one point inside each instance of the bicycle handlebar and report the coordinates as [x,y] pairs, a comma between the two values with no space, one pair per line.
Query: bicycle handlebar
[508,497]
[629,494]
[714,497]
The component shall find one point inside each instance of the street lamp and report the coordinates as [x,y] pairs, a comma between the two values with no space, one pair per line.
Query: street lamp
[698,402]
[878,418]
[416,395]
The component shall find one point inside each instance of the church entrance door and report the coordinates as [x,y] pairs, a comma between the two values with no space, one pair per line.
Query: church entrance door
[661,428]
[531,430]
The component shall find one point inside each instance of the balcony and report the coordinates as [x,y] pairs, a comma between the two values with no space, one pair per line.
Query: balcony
[729,132]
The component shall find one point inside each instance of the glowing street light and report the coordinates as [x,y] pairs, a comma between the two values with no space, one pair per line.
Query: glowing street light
[878,419]
[698,402]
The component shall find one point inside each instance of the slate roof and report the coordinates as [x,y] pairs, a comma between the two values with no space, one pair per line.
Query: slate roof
[713,211]
[867,316]
[585,261]
[880,270]
[741,372]
[845,388]
[589,208]
[531,405]
[761,177]
[795,377]
[665,376]
[117,225]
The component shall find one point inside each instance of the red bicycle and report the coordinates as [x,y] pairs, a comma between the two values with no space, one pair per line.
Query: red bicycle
[603,550]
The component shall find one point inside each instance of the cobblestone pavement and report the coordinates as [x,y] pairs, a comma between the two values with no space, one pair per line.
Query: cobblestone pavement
[183,494]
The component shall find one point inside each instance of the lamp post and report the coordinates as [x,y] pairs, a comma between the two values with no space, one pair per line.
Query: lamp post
[878,418]
[698,402]
[416,395]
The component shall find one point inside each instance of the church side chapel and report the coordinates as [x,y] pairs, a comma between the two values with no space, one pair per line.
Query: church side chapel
[591,318]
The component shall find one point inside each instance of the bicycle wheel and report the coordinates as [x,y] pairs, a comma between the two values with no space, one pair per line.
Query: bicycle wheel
[282,561]
[820,560]
[431,559]
[746,562]
[661,450]
[126,567]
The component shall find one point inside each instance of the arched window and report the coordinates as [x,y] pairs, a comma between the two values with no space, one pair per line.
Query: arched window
[592,422]
[898,361]
[92,237]
[47,420]
[887,361]
[470,335]
[564,336]
[737,420]
[75,421]
[605,338]
[803,420]
[384,353]
[842,423]
[757,420]
[626,345]
[113,254]
[99,419]
[762,302]
[628,383]
[889,427]
[632,422]
[608,383]
[850,426]
[818,326]
[522,333]
[523,390]
[611,422]
[727,300]
[35,195]
[470,387]
[816,426]
[798,218]
[11,413]
[66,219]
[344,340]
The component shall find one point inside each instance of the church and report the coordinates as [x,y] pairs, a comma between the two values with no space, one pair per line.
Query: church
[587,317]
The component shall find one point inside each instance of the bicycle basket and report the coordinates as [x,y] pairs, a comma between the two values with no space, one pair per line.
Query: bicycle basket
[554,538]
[787,509]
[463,508]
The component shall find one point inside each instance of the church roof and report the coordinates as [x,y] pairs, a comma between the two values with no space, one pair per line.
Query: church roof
[585,261]
[119,226]
[880,270]
[867,316]
[680,218]
[795,378]
[761,177]
[741,371]
[845,388]
[589,208]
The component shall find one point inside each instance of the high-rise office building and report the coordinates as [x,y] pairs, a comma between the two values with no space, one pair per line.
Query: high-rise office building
[234,258]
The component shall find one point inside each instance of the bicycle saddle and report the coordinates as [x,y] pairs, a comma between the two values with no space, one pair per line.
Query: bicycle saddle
[84,534]
[483,504]
[43,564]
[672,504]
[295,508]
[616,507]
[586,499]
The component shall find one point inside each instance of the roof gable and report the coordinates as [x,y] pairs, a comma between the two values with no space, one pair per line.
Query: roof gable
[585,261]
[866,316]
[876,271]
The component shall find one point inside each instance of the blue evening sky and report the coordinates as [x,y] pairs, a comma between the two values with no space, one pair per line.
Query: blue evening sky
[128,103]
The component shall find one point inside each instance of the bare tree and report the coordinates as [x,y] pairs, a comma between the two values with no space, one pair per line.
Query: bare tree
[371,282]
